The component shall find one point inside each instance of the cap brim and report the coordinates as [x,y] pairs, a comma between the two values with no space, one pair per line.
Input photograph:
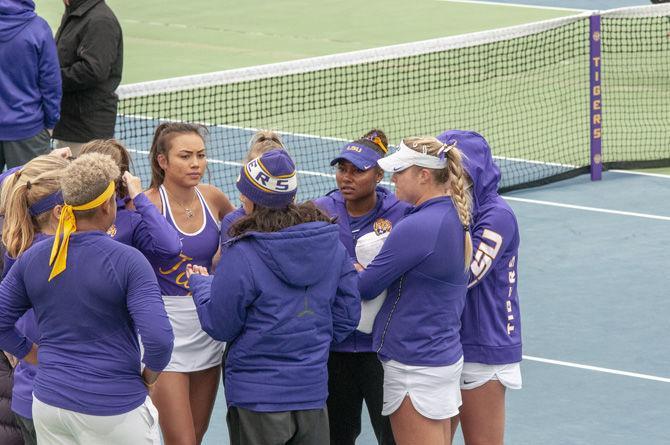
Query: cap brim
[359,163]
[393,163]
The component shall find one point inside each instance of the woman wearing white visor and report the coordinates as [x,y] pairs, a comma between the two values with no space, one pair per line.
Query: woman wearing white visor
[424,264]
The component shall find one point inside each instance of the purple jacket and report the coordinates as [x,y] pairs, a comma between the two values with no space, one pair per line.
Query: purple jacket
[421,264]
[30,82]
[491,322]
[227,222]
[388,208]
[88,318]
[279,298]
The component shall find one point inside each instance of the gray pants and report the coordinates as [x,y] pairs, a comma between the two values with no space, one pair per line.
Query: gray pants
[27,429]
[308,427]
[15,153]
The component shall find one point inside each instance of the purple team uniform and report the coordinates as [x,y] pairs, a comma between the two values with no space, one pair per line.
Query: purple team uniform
[491,321]
[280,298]
[388,208]
[194,350]
[88,318]
[197,248]
[421,264]
[145,229]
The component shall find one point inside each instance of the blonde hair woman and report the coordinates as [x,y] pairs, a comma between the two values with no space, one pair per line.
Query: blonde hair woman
[32,200]
[424,264]
[92,296]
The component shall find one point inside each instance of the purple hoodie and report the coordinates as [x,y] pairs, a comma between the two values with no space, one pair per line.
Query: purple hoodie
[422,265]
[30,82]
[491,322]
[388,208]
[279,298]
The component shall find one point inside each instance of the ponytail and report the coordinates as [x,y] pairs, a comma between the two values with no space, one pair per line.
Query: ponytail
[38,179]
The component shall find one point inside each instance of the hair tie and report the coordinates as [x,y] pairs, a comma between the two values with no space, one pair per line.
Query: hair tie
[28,185]
[377,140]
[465,228]
[444,149]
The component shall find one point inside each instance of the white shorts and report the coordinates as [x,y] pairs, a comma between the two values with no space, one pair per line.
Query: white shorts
[433,390]
[194,349]
[57,426]
[475,375]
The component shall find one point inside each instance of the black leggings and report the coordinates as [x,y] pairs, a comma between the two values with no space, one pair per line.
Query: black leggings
[352,378]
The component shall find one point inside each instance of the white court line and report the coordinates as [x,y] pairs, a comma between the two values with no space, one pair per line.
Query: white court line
[588,209]
[598,369]
[513,5]
[631,172]
[239,164]
[509,198]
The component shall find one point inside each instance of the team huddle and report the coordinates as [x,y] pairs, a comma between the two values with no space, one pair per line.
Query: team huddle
[119,303]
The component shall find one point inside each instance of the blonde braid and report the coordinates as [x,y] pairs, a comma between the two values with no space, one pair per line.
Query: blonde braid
[455,176]
[461,196]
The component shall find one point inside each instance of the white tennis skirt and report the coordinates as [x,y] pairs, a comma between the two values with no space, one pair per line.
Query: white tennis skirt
[475,375]
[434,390]
[194,349]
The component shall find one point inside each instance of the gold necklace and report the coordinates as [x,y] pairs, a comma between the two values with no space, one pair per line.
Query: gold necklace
[187,211]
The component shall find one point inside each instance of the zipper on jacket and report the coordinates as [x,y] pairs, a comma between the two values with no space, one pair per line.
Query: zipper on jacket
[388,320]
[306,310]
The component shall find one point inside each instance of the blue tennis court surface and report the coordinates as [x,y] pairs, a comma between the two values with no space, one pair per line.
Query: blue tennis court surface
[227,146]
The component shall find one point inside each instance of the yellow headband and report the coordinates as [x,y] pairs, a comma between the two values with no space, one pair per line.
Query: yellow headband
[68,224]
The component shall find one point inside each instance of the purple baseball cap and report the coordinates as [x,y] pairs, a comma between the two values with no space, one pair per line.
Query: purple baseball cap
[362,153]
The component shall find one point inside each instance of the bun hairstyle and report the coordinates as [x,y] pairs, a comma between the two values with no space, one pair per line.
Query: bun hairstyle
[453,174]
[378,138]
[263,141]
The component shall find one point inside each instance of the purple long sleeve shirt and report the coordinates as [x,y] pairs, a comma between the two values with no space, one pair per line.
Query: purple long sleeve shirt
[143,228]
[422,265]
[88,318]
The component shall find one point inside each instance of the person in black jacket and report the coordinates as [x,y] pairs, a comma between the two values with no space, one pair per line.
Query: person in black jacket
[90,49]
[10,433]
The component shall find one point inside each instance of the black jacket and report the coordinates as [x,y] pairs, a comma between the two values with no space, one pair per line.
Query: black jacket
[10,433]
[90,49]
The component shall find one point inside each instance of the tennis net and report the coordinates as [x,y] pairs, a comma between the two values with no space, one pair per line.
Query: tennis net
[527,89]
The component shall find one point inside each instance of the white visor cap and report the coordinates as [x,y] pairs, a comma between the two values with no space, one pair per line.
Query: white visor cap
[405,157]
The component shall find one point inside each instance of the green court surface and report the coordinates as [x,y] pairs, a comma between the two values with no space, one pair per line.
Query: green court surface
[177,38]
